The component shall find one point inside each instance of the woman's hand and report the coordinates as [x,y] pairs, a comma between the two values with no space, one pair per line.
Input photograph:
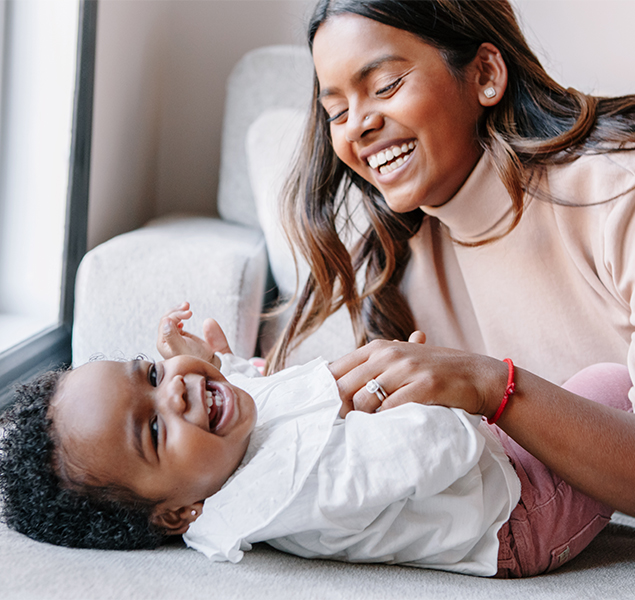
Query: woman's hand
[174,341]
[589,445]
[412,372]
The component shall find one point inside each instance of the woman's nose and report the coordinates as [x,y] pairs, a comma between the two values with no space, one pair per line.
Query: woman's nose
[360,122]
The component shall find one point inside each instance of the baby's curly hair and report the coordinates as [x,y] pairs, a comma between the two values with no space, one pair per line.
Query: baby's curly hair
[38,503]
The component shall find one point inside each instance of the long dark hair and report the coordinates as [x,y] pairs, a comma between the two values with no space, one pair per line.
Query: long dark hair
[536,123]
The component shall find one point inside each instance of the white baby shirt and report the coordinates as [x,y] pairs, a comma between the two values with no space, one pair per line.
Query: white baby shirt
[420,485]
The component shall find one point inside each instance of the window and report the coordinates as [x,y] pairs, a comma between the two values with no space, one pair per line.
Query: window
[45,132]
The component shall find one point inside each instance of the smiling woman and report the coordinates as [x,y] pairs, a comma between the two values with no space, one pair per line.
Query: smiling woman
[508,232]
[46,124]
[385,80]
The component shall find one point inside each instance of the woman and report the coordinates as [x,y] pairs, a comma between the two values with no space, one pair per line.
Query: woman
[501,223]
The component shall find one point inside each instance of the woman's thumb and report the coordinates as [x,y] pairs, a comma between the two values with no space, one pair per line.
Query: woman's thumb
[417,337]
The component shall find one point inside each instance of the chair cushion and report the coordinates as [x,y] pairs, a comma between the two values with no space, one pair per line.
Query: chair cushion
[264,79]
[125,285]
[272,140]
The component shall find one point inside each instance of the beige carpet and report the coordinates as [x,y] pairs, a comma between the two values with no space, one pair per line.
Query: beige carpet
[33,571]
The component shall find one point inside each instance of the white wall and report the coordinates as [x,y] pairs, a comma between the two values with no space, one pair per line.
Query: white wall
[160,84]
[159,93]
[585,44]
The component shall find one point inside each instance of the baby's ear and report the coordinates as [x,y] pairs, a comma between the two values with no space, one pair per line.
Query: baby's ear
[177,522]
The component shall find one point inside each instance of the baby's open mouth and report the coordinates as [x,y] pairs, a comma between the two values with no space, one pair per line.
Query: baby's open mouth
[215,400]
[391,158]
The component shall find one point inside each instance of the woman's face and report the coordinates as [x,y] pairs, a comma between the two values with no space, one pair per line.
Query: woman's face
[397,116]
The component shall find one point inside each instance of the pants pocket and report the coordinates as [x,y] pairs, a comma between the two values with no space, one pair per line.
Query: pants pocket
[565,552]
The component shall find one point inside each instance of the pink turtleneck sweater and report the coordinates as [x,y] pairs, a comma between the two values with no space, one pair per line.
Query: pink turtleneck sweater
[556,294]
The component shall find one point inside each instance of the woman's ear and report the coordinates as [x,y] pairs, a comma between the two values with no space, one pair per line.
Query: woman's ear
[491,74]
[177,522]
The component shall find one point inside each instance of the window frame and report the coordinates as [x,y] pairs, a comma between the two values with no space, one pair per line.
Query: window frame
[51,348]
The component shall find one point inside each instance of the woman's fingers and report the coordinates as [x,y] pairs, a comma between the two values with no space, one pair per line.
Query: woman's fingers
[346,363]
[353,371]
[369,397]
[409,372]
[388,389]
[417,337]
[368,374]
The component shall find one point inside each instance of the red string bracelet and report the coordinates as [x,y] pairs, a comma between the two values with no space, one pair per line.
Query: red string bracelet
[509,390]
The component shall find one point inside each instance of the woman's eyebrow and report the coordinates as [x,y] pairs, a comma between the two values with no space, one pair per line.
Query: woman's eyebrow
[365,72]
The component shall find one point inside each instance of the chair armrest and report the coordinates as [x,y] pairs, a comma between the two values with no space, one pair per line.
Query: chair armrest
[125,285]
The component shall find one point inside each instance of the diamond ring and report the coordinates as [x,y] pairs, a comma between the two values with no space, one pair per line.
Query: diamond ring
[374,387]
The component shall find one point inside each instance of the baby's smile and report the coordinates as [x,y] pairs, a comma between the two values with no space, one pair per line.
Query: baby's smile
[219,399]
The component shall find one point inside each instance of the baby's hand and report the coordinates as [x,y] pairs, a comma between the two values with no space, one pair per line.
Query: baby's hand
[174,341]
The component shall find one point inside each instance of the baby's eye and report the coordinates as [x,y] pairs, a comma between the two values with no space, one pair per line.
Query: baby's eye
[152,376]
[154,432]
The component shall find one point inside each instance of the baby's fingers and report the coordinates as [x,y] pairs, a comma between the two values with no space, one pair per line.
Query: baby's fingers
[215,337]
[170,340]
[180,313]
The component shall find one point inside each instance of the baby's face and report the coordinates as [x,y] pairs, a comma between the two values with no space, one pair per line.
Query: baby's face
[174,431]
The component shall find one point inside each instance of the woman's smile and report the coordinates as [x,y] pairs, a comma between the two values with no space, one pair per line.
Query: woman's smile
[386,161]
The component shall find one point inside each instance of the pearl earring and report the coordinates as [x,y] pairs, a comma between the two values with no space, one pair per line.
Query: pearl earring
[489,92]
[194,513]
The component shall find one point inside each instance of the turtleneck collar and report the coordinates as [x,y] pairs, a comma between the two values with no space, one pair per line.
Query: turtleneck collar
[481,208]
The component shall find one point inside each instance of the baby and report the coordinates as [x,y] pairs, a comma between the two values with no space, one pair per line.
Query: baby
[127,454]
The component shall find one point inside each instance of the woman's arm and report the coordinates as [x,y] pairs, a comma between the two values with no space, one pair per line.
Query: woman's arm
[589,445]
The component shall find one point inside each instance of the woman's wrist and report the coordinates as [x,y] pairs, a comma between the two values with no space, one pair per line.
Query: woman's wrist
[494,378]
[509,391]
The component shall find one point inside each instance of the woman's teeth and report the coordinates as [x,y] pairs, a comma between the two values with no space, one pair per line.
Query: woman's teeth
[388,160]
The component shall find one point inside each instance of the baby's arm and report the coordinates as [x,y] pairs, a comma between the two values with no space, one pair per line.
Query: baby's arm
[174,341]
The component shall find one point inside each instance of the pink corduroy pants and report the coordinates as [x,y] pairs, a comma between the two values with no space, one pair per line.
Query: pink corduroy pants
[554,522]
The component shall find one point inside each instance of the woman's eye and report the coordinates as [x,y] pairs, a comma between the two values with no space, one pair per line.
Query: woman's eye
[389,88]
[152,376]
[154,432]
[337,116]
